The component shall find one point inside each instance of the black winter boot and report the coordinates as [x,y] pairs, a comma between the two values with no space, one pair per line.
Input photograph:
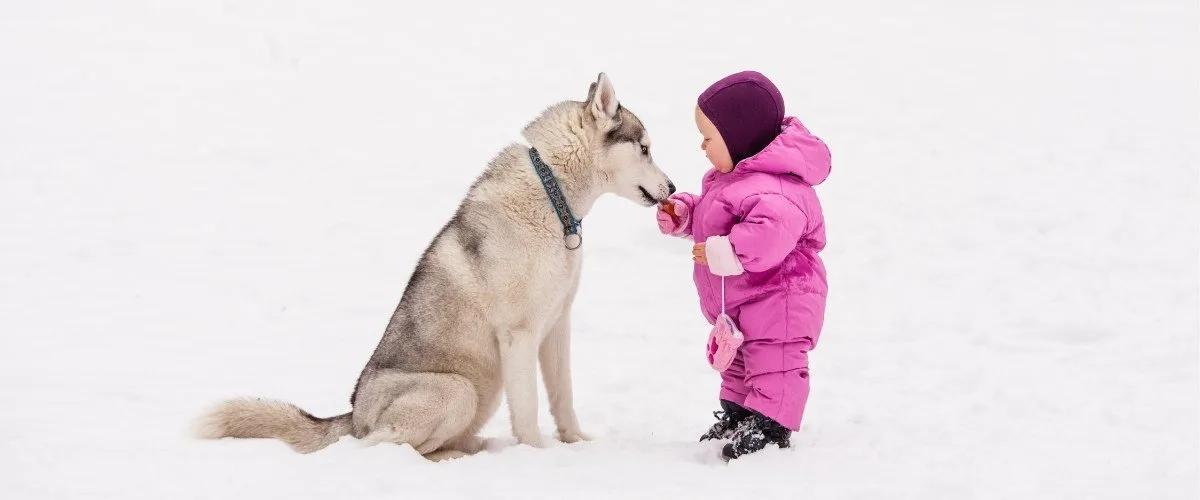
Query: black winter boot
[755,433]
[727,421]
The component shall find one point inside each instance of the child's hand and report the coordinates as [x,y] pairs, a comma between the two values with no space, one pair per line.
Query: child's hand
[699,254]
[672,216]
[669,207]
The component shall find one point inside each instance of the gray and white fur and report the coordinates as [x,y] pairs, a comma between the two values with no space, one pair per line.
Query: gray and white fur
[489,301]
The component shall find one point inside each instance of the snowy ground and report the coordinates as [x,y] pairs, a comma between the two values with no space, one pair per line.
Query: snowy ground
[209,199]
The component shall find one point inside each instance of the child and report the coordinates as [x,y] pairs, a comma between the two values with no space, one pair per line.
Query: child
[758,227]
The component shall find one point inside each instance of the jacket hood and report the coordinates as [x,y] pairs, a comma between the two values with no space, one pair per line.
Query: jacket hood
[795,151]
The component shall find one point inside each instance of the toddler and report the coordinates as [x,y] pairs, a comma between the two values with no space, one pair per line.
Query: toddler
[758,227]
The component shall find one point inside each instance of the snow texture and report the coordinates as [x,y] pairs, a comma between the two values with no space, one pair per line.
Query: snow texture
[207,199]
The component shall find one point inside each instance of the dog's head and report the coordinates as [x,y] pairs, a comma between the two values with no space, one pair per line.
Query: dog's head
[622,148]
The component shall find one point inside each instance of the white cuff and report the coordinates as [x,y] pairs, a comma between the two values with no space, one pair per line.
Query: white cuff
[721,259]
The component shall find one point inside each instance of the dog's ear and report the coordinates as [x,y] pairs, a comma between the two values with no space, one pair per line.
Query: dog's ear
[591,92]
[602,99]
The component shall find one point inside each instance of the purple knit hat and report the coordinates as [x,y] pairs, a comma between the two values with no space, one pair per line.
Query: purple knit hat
[747,110]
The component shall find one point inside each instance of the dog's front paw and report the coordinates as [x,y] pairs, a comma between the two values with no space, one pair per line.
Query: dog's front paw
[573,436]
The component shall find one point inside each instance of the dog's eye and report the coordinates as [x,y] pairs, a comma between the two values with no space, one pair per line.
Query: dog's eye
[646,150]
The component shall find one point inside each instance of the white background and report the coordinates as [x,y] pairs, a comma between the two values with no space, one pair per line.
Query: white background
[225,198]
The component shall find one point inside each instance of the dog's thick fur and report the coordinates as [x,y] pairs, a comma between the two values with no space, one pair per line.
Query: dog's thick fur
[489,300]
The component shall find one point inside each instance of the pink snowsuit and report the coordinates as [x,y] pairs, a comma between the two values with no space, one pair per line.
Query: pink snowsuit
[770,214]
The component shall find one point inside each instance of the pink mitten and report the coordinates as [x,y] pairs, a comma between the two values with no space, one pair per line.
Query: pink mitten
[723,343]
[667,223]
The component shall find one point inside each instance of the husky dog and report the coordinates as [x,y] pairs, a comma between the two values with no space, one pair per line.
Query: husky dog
[489,300]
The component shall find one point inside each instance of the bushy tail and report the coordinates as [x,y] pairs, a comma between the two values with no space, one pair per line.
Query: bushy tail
[260,418]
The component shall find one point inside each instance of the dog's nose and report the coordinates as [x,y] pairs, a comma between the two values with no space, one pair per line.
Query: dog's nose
[670,188]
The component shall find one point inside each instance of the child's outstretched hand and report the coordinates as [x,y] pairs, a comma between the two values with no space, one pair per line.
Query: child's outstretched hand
[669,208]
[672,216]
[699,255]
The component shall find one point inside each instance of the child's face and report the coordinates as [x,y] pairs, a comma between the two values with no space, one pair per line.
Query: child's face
[712,144]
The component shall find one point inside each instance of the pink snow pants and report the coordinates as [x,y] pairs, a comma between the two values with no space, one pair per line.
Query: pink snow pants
[770,372]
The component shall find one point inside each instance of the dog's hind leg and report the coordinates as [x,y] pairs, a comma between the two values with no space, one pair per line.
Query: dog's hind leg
[457,448]
[449,454]
[424,410]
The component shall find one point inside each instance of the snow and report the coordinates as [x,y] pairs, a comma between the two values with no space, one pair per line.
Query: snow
[201,200]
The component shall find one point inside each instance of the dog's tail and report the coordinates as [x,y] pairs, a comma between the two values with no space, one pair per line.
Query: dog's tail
[260,418]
